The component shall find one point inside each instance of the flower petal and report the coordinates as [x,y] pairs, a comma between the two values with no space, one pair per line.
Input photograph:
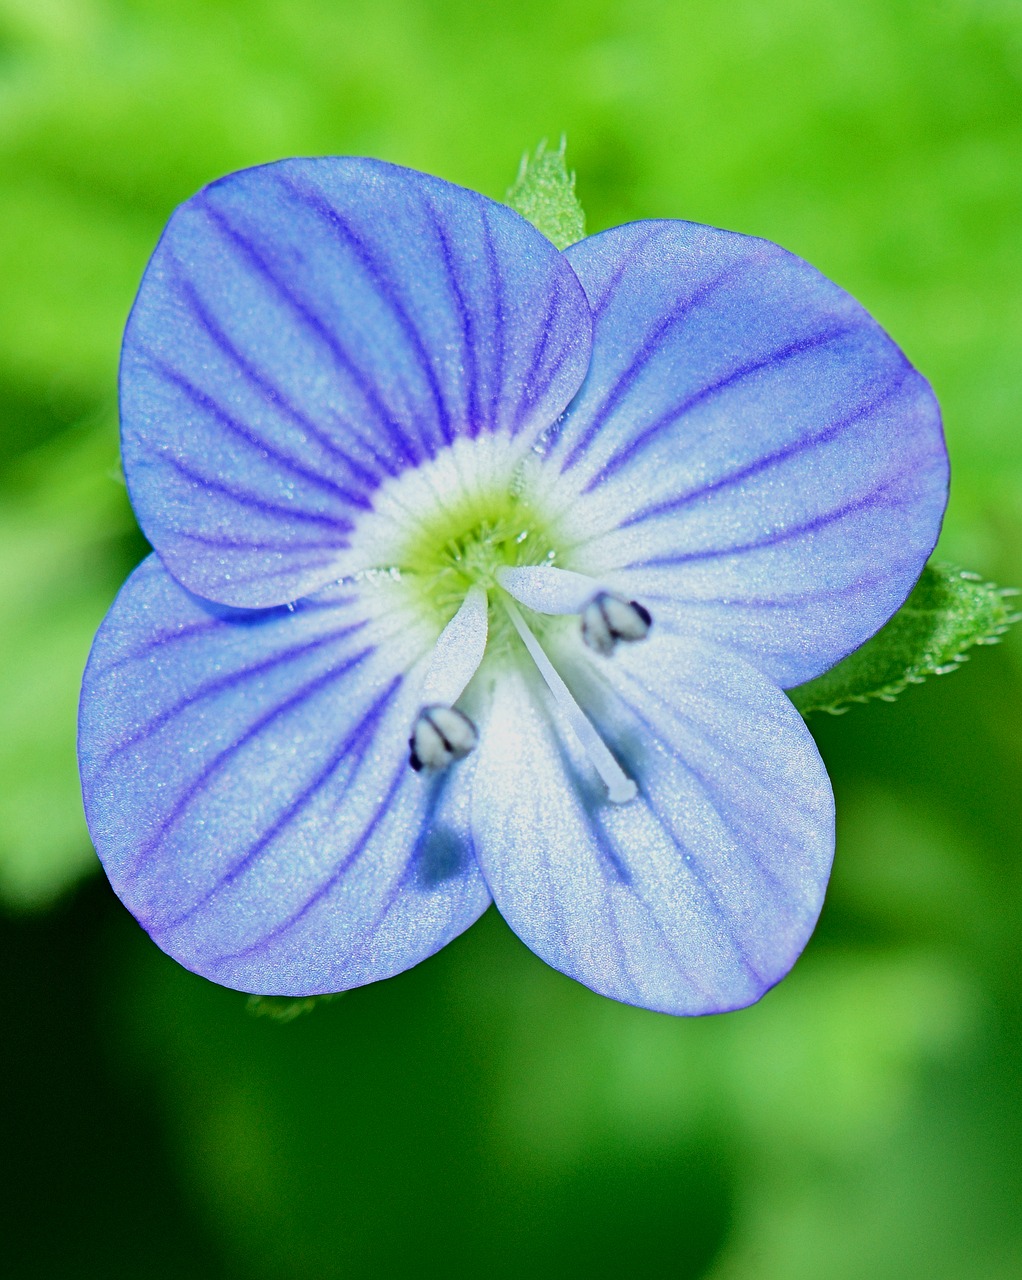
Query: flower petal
[309,328]
[695,897]
[761,463]
[247,786]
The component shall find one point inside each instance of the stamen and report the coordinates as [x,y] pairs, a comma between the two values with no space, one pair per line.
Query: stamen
[608,618]
[441,733]
[547,589]
[440,736]
[459,651]
[620,788]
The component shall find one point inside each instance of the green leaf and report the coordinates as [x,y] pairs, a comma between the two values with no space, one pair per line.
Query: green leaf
[544,192]
[947,613]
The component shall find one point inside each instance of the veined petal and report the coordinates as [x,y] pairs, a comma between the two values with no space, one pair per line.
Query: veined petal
[699,894]
[306,330]
[247,787]
[761,464]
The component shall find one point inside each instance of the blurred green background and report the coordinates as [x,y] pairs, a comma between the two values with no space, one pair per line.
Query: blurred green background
[482,1113]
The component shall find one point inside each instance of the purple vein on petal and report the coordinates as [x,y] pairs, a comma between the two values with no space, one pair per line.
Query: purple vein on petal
[653,232]
[768,460]
[725,749]
[403,882]
[202,780]
[624,875]
[793,600]
[384,289]
[161,638]
[499,316]
[876,497]
[275,395]
[246,498]
[532,391]
[220,684]
[224,542]
[248,250]
[798,347]
[709,890]
[468,335]
[226,420]
[651,347]
[590,797]
[588,801]
[356,744]
[353,855]
[324,569]
[216,617]
[554,912]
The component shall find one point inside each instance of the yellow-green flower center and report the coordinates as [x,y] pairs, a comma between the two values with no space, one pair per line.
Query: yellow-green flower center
[465,546]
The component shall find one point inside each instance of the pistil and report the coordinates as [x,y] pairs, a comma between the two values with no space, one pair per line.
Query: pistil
[620,788]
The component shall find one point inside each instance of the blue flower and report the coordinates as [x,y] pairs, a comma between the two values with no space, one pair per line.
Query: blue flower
[479,571]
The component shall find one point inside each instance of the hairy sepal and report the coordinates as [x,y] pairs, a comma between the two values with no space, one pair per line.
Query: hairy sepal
[948,611]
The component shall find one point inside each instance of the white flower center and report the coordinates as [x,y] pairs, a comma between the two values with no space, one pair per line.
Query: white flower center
[469,541]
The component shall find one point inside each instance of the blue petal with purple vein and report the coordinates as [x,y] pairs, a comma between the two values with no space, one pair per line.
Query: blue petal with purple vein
[247,786]
[307,329]
[770,469]
[699,894]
